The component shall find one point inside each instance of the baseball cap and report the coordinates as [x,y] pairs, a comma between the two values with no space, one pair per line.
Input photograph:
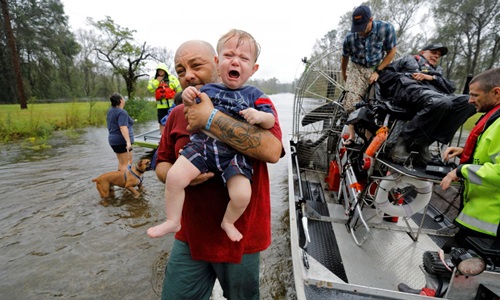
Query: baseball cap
[440,47]
[360,18]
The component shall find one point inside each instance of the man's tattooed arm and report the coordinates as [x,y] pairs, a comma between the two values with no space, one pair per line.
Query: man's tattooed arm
[248,139]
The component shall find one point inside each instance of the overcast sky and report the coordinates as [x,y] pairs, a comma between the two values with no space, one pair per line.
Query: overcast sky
[286,29]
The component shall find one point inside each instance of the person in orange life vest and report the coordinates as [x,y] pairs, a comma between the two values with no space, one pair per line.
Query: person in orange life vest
[165,86]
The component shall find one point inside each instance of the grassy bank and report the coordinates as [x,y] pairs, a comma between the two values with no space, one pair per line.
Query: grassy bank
[41,119]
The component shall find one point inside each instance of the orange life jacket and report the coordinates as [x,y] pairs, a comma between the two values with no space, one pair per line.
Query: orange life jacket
[164,91]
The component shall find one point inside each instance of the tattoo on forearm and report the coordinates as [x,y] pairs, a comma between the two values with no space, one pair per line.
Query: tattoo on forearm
[239,135]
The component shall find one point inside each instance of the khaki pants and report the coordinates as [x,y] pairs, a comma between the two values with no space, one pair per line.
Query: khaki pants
[358,78]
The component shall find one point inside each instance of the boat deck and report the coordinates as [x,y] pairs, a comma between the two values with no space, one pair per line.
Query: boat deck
[388,256]
[353,251]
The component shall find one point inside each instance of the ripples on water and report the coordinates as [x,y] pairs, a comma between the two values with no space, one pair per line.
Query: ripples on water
[58,239]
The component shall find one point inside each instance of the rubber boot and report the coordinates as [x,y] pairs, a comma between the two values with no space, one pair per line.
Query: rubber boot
[424,154]
[400,153]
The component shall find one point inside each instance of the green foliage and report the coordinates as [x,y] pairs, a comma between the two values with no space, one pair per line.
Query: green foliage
[46,50]
[141,110]
[41,119]
[37,123]
[118,48]
[469,28]
[271,86]
[72,117]
[471,122]
[34,144]
[95,114]
[142,89]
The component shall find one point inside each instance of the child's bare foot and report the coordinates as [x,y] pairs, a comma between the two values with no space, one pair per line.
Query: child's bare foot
[232,232]
[163,229]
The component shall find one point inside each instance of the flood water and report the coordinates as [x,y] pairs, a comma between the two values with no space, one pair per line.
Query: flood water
[59,240]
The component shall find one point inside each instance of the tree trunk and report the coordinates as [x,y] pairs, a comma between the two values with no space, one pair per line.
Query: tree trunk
[15,56]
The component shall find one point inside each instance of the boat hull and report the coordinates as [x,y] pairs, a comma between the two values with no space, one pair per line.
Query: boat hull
[150,139]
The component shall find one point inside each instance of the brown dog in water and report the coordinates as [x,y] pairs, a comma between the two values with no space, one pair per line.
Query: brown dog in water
[128,179]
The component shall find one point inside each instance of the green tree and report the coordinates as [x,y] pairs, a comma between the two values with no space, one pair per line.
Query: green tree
[118,48]
[467,27]
[86,63]
[46,48]
[10,67]
[405,16]
[470,26]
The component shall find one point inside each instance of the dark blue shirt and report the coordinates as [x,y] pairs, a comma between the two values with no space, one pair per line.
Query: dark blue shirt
[115,118]
[231,101]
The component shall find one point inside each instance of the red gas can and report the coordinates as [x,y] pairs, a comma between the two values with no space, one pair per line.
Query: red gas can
[333,178]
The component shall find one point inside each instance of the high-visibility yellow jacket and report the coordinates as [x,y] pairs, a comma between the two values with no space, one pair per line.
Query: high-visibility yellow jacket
[164,90]
[481,210]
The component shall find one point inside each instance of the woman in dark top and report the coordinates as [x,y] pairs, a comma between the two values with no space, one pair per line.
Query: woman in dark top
[121,135]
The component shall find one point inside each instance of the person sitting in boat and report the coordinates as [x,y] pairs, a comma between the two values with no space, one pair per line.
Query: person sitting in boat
[479,163]
[479,168]
[416,82]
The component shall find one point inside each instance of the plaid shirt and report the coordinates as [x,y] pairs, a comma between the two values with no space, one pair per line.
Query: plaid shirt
[369,51]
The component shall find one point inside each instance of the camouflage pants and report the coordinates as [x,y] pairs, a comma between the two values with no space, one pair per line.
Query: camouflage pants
[358,80]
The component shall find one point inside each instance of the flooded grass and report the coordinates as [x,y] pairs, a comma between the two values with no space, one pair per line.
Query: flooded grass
[40,120]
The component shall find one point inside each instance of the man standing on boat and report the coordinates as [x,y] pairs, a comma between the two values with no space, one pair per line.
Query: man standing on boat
[365,45]
[479,168]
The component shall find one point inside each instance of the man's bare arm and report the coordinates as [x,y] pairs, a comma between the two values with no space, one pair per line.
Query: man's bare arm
[248,139]
[387,59]
[343,66]
[162,170]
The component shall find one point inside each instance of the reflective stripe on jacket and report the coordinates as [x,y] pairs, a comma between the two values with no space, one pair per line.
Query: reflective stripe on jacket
[481,211]
[173,83]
